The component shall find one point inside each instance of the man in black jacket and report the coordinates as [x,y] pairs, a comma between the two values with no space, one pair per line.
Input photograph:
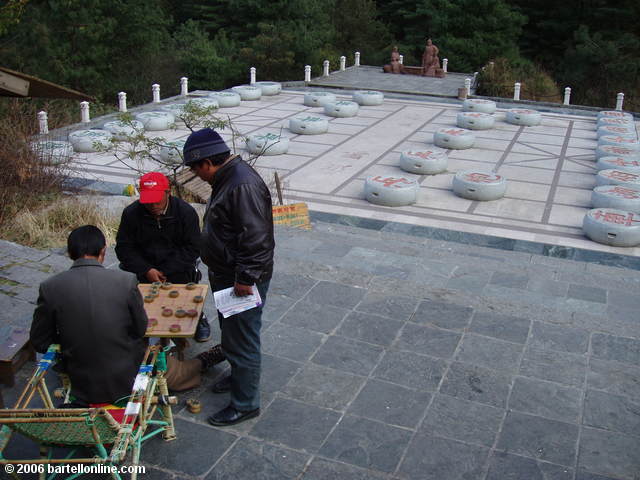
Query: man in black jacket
[237,245]
[158,239]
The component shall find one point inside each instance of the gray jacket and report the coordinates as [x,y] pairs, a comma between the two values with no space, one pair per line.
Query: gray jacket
[97,316]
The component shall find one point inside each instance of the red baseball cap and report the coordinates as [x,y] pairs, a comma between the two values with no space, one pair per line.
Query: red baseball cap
[152,187]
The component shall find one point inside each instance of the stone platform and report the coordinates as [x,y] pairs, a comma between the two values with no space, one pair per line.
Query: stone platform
[550,168]
[391,355]
[373,78]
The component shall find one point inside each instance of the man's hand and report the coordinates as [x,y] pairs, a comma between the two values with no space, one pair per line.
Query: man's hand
[155,275]
[241,290]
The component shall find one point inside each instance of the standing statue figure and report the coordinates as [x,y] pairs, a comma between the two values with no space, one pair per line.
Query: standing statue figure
[430,60]
[396,66]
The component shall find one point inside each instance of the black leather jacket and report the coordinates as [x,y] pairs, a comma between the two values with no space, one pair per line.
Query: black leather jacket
[237,238]
[169,243]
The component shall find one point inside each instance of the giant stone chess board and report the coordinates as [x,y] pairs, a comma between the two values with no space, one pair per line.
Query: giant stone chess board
[550,168]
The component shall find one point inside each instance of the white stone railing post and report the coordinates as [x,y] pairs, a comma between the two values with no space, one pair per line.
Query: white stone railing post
[445,62]
[84,112]
[475,78]
[122,101]
[325,68]
[516,91]
[567,96]
[43,123]
[467,85]
[155,88]
[343,63]
[252,75]
[307,73]
[184,86]
[357,59]
[401,60]
[619,101]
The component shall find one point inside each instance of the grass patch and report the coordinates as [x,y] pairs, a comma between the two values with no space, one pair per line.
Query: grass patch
[6,281]
[49,223]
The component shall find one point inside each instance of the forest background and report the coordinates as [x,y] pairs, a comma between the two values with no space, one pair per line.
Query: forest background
[101,47]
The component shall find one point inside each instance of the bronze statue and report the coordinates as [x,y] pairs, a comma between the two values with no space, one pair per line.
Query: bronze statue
[396,66]
[430,60]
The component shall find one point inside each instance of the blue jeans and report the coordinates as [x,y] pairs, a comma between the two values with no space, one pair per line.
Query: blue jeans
[241,345]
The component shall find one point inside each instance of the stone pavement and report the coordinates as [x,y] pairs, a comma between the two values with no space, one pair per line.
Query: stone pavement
[389,355]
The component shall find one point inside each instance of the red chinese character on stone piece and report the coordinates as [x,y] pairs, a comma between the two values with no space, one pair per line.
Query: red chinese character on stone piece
[390,181]
[616,218]
[453,131]
[622,176]
[424,155]
[624,192]
[623,140]
[477,115]
[482,177]
[618,150]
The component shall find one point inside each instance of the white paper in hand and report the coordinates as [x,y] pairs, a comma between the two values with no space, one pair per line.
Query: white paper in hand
[229,304]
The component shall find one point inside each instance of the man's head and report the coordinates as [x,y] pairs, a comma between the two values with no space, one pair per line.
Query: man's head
[154,192]
[205,152]
[86,242]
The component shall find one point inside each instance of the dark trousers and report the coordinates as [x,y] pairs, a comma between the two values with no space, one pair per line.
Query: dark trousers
[241,346]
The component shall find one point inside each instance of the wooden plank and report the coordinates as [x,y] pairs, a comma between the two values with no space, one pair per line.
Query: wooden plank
[14,84]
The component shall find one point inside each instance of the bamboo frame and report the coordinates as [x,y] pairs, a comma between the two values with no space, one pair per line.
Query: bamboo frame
[131,432]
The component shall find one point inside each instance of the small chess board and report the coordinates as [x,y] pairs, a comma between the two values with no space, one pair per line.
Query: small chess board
[184,301]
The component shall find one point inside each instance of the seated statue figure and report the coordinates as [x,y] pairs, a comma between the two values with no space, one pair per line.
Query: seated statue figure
[396,66]
[430,60]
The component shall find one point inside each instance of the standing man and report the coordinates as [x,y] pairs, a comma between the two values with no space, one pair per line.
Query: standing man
[97,317]
[237,246]
[158,239]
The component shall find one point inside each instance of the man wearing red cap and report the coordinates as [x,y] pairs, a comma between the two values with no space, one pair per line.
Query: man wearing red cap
[158,239]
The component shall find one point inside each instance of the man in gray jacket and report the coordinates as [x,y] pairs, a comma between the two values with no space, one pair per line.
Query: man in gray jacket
[98,318]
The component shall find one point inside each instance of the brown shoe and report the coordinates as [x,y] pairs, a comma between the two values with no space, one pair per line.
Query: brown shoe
[211,357]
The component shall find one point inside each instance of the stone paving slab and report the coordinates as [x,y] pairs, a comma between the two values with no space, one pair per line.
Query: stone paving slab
[370,373]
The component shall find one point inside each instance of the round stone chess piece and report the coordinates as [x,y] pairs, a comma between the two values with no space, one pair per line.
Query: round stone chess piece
[391,191]
[610,226]
[267,144]
[476,185]
[318,99]
[426,162]
[269,88]
[92,140]
[454,138]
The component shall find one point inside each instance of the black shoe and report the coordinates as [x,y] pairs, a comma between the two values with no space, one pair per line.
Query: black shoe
[211,357]
[223,386]
[231,416]
[203,330]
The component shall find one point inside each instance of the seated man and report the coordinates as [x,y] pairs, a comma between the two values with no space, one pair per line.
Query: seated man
[97,317]
[158,239]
